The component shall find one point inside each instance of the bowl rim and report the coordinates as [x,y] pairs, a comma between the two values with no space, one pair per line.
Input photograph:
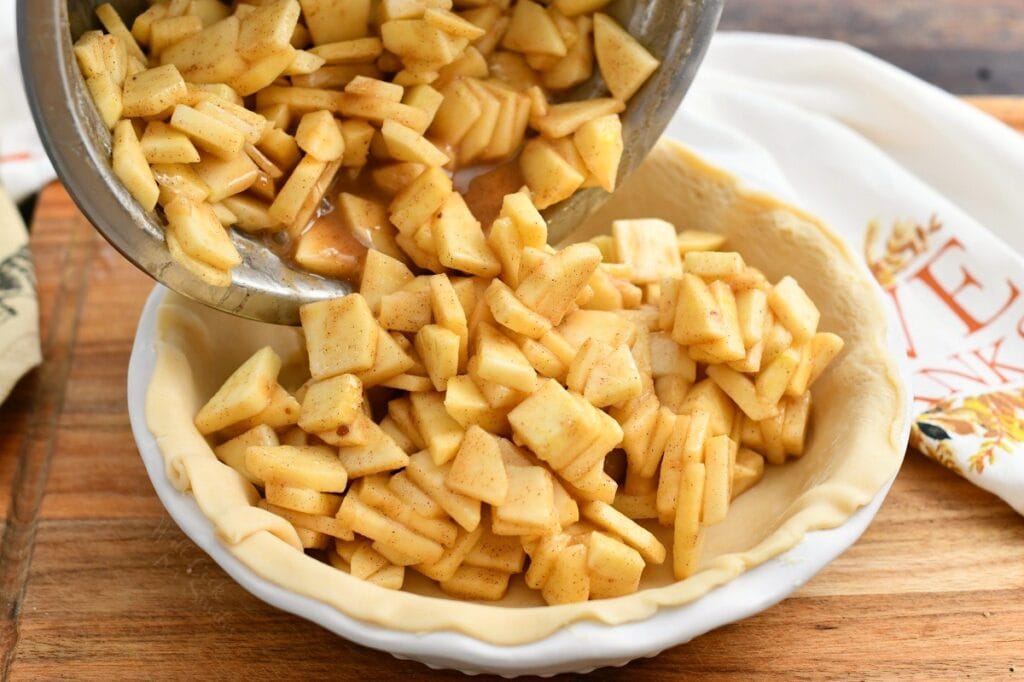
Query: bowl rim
[580,647]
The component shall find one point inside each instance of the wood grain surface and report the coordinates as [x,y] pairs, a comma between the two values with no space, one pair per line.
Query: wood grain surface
[96,581]
[969,47]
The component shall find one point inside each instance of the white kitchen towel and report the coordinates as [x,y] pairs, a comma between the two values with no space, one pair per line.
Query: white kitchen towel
[19,308]
[926,187]
[24,167]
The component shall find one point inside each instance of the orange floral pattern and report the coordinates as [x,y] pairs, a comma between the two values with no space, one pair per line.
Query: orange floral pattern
[996,417]
[964,434]
[907,240]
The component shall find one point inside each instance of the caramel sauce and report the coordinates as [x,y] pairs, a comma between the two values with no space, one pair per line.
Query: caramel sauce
[332,246]
[487,190]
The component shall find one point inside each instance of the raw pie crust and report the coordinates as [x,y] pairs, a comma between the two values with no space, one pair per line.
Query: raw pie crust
[856,443]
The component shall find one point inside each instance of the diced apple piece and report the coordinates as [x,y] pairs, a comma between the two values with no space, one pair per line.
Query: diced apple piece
[706,396]
[226,177]
[468,406]
[457,113]
[380,453]
[599,142]
[452,24]
[382,275]
[304,500]
[500,361]
[480,133]
[130,166]
[614,568]
[825,346]
[669,358]
[208,274]
[529,502]
[697,317]
[374,87]
[613,379]
[729,347]
[549,176]
[440,432]
[713,264]
[405,310]
[565,119]
[320,136]
[200,234]
[431,478]
[625,64]
[304,63]
[697,240]
[577,65]
[417,203]
[170,31]
[405,144]
[331,403]
[749,470]
[438,348]
[341,335]
[532,30]
[90,53]
[163,144]
[552,288]
[268,29]
[648,246]
[391,361]
[460,241]
[153,91]
[742,392]
[245,393]
[688,535]
[232,452]
[107,97]
[333,20]
[207,132]
[417,40]
[477,470]
[115,26]
[357,135]
[291,197]
[794,309]
[751,310]
[210,56]
[572,8]
[369,522]
[568,581]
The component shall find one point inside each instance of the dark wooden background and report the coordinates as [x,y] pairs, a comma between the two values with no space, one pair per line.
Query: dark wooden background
[96,582]
[969,47]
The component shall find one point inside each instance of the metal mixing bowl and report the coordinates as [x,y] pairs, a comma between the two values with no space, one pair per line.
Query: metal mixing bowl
[264,287]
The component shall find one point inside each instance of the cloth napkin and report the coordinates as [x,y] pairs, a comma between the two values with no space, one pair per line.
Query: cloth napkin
[926,187]
[19,309]
[24,169]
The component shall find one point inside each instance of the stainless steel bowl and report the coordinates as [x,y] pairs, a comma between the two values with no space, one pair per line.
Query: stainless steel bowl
[264,287]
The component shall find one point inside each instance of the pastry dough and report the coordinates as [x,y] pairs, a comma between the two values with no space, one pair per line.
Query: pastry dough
[857,439]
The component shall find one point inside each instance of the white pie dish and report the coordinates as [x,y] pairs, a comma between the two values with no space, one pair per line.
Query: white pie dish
[578,647]
[854,430]
[581,647]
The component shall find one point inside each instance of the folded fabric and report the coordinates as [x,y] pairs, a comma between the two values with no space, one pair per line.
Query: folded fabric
[19,310]
[24,167]
[926,187]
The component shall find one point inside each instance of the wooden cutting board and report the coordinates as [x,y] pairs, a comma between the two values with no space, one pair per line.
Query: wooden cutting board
[97,582]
